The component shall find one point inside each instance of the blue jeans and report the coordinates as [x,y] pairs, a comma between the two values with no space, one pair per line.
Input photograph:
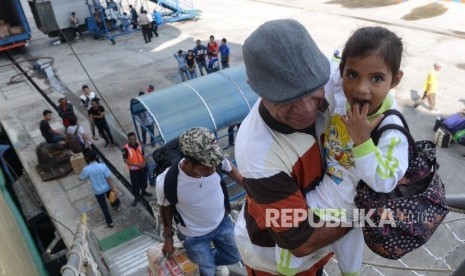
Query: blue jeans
[57,138]
[225,252]
[183,72]
[202,64]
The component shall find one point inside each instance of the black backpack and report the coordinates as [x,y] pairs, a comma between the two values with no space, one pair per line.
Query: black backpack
[169,155]
[73,143]
[166,155]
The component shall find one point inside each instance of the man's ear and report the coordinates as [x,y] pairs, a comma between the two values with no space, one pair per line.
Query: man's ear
[396,79]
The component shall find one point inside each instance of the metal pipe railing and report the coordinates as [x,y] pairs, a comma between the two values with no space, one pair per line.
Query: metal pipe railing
[79,257]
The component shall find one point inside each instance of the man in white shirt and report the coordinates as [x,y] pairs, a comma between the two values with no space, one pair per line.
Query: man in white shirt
[86,97]
[200,202]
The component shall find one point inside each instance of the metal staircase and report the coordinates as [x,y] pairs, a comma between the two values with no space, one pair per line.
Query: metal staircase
[130,258]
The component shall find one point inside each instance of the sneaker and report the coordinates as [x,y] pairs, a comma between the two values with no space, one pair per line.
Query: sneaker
[144,193]
[110,225]
[106,145]
[221,270]
[134,203]
[95,138]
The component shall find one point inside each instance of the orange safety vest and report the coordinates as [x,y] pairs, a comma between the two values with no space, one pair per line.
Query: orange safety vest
[134,156]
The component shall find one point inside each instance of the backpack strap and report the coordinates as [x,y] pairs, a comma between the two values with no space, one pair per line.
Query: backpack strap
[171,189]
[76,131]
[396,112]
[377,132]
[171,183]
[224,188]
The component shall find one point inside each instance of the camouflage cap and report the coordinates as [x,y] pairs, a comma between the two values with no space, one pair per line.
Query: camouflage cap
[201,144]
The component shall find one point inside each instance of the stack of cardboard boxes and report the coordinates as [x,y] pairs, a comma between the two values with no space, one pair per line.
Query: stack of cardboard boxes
[7,30]
[78,162]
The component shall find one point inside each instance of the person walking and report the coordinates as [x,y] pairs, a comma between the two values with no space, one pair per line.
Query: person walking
[351,154]
[430,88]
[102,184]
[278,150]
[97,115]
[153,24]
[200,203]
[145,26]
[133,157]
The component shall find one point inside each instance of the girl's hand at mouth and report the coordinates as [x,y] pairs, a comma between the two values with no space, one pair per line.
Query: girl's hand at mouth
[357,123]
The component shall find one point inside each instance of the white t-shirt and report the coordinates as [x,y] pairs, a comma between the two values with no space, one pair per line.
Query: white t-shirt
[200,201]
[86,100]
[80,132]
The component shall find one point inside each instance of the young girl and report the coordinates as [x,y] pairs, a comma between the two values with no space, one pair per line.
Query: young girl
[369,68]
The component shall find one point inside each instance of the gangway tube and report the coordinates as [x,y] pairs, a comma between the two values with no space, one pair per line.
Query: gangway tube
[215,101]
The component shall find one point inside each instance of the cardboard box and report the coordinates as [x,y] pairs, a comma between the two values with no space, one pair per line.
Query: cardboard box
[15,30]
[178,264]
[78,162]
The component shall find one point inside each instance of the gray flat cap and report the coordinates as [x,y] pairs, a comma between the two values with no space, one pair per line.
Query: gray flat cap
[282,61]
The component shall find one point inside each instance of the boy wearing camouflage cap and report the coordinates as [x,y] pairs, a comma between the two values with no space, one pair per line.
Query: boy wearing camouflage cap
[200,203]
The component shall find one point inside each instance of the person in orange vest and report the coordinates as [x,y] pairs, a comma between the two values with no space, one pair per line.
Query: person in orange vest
[134,158]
